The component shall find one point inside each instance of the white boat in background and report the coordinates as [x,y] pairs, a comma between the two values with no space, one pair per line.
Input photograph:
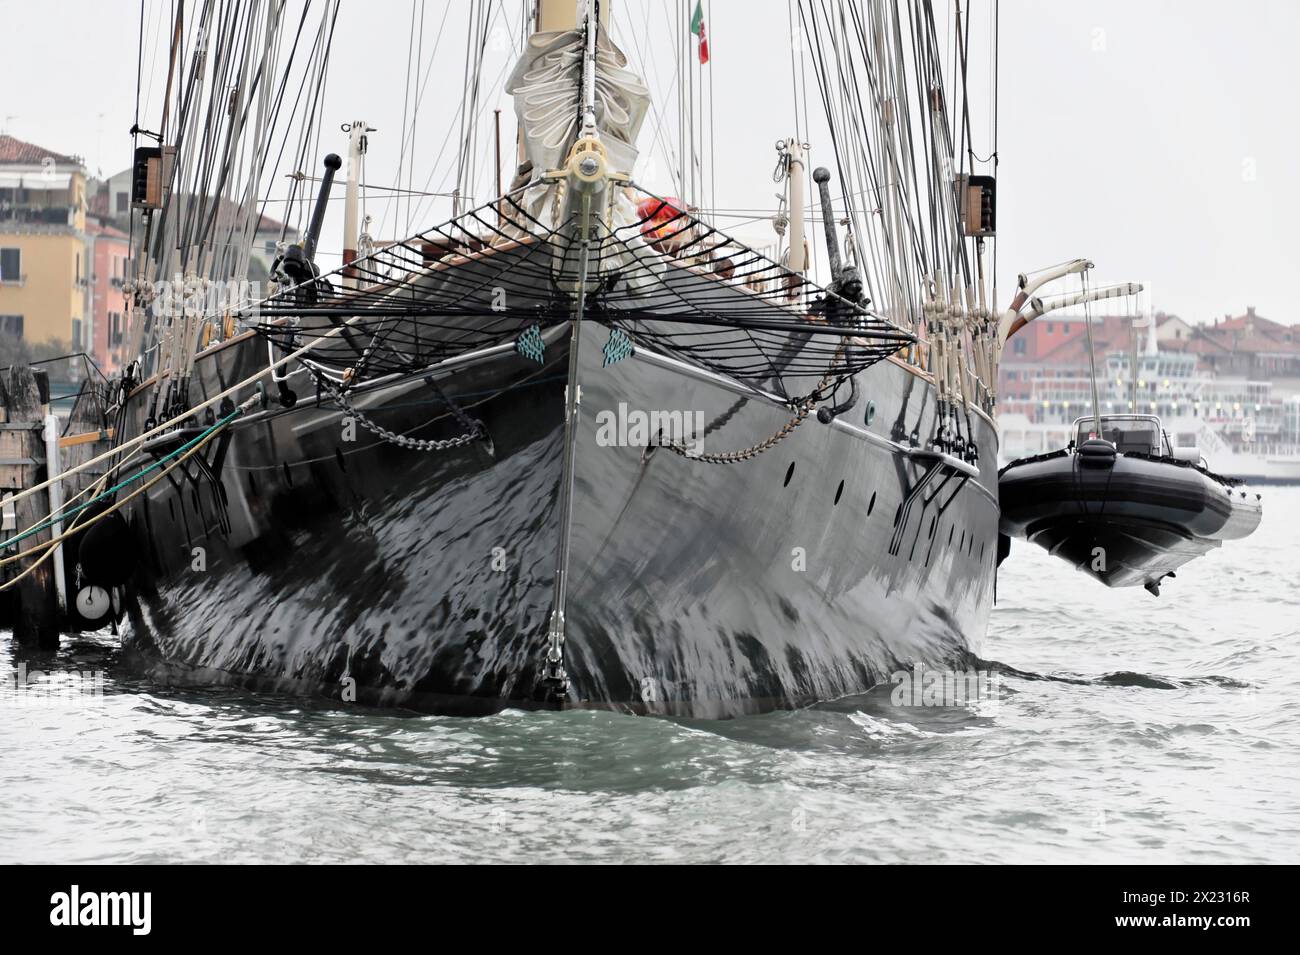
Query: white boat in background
[1241,423]
[1269,464]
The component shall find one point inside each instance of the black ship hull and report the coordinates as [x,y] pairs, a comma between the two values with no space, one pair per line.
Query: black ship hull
[300,560]
[314,550]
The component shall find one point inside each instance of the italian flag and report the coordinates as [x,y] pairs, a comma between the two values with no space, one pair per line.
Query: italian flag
[697,27]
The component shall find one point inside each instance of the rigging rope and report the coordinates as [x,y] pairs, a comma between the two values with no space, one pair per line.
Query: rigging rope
[207,403]
[47,548]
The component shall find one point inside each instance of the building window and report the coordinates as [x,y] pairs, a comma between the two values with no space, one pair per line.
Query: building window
[76,334]
[11,262]
[1051,327]
[121,202]
[11,325]
[1019,348]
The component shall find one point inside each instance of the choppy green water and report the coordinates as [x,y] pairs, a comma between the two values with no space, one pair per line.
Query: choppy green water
[1126,728]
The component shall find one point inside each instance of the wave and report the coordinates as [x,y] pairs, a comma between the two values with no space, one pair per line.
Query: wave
[1123,678]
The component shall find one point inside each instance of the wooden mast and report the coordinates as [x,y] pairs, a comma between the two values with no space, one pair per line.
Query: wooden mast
[351,230]
[555,15]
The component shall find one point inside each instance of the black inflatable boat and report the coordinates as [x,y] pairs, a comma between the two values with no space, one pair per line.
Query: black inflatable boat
[1124,506]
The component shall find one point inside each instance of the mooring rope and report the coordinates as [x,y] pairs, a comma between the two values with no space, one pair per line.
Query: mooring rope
[140,439]
[186,451]
[56,518]
[91,488]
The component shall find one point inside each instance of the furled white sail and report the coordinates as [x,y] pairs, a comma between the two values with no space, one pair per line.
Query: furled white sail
[547,88]
[546,85]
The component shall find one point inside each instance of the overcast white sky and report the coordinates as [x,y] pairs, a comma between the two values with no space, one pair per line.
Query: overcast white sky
[1158,138]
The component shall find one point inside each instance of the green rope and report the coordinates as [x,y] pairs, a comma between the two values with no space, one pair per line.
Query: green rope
[50,522]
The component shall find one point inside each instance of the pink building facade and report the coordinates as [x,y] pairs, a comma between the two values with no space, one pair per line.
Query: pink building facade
[109,254]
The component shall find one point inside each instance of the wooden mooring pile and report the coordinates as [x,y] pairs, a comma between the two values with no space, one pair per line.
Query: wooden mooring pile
[37,445]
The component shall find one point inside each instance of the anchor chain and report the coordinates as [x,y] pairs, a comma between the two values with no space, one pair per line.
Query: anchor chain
[745,454]
[803,410]
[474,429]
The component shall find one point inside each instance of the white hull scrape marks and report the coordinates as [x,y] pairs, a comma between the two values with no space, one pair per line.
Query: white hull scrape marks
[74,908]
